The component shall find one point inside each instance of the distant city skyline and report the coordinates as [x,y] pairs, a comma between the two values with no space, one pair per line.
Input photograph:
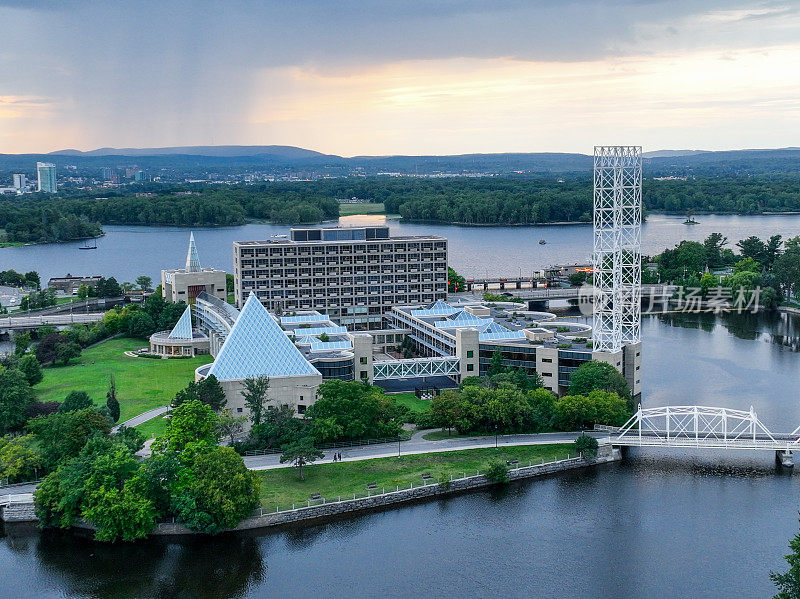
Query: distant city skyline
[383,78]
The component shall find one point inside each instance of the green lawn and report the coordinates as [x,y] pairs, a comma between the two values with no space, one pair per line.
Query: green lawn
[282,487]
[153,428]
[411,401]
[365,208]
[142,384]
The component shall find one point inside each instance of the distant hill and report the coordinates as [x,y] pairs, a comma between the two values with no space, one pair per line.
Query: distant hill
[183,162]
[671,153]
[289,152]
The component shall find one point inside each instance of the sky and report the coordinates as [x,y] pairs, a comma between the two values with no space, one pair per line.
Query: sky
[369,77]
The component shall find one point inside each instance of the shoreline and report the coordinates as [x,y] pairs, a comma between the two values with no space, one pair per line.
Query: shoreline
[313,514]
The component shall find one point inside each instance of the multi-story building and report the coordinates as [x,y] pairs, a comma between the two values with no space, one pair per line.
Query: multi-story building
[354,275]
[46,176]
[20,182]
[185,284]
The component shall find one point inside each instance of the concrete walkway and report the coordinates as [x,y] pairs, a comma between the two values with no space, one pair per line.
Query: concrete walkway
[418,445]
[143,417]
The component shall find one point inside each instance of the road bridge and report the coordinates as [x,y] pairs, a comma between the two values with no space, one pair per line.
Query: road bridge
[22,323]
[703,427]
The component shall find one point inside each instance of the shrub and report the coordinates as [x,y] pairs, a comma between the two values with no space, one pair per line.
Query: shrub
[587,446]
[497,472]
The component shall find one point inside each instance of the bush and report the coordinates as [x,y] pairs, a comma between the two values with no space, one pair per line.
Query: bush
[497,472]
[76,400]
[587,446]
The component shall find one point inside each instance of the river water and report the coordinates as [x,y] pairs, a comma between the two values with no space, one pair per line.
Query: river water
[127,252]
[658,524]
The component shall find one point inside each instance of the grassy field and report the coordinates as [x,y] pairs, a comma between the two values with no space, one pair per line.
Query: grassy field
[153,428]
[411,401]
[282,487]
[142,384]
[365,208]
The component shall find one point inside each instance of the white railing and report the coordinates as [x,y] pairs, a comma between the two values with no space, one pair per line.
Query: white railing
[11,499]
[379,492]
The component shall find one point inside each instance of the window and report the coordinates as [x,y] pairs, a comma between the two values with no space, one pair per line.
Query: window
[470,353]
[239,410]
[470,367]
[301,408]
[363,359]
[548,360]
[547,374]
[363,375]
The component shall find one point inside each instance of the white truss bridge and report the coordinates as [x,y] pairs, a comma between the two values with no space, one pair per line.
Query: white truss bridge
[415,367]
[701,427]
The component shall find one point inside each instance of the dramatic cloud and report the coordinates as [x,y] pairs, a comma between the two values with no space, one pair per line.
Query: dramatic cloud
[358,77]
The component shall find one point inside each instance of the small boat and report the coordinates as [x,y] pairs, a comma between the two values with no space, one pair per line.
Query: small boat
[542,242]
[89,245]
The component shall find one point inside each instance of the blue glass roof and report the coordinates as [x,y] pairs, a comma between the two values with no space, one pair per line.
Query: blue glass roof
[183,328]
[257,346]
[499,336]
[438,308]
[329,345]
[464,319]
[304,318]
[321,330]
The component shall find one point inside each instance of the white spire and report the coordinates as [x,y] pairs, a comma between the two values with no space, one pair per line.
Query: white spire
[192,261]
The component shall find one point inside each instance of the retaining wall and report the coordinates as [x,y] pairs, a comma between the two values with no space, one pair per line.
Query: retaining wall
[328,510]
[25,512]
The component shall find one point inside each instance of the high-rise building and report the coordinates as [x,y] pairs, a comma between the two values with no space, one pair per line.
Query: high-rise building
[20,182]
[46,176]
[354,275]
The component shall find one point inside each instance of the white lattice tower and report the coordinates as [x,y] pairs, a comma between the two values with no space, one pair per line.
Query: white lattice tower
[617,247]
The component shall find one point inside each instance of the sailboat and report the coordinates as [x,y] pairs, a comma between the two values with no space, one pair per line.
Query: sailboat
[91,244]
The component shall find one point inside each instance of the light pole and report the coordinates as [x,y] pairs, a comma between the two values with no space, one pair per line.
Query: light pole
[495,436]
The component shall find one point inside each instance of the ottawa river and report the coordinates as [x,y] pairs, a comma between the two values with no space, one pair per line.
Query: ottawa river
[658,524]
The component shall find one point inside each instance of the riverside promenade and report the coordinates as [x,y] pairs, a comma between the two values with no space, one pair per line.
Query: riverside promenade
[418,445]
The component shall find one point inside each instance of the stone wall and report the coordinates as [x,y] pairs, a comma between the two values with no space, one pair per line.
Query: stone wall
[18,512]
[25,512]
[328,510]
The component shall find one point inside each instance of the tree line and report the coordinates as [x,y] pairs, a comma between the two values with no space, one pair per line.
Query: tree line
[481,200]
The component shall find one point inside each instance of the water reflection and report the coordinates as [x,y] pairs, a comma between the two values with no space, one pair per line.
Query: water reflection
[197,568]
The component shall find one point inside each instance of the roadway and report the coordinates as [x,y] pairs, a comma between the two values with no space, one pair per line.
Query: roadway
[24,322]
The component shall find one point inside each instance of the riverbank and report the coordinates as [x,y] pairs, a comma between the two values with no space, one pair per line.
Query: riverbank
[374,497]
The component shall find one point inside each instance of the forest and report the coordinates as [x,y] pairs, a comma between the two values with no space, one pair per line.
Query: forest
[481,200]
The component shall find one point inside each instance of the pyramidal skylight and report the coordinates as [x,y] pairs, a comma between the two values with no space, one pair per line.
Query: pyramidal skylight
[257,346]
[183,328]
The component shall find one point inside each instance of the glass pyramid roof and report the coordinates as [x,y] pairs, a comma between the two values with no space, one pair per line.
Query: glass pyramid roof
[463,319]
[303,318]
[183,328]
[257,346]
[192,260]
[438,308]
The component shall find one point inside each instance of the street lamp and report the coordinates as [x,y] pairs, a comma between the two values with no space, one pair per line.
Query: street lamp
[495,436]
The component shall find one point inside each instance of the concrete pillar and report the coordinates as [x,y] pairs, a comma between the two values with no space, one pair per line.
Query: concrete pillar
[467,352]
[362,352]
[547,366]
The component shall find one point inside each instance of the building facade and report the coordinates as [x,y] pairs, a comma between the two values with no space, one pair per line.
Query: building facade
[185,284]
[46,177]
[354,275]
[70,284]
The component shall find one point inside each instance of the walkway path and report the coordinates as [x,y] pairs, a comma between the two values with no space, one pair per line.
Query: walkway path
[418,445]
[143,417]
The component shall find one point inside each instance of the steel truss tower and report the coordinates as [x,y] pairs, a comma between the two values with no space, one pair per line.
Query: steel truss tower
[617,247]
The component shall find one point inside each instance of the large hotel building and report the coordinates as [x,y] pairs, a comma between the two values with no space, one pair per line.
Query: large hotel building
[354,275]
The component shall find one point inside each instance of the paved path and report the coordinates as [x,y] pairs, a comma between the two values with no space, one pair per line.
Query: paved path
[143,417]
[21,488]
[418,445]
